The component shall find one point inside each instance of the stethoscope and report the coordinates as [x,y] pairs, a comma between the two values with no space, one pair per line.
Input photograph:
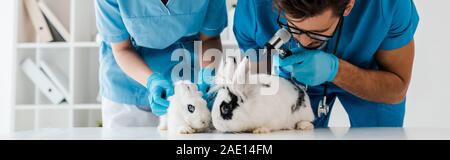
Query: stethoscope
[323,108]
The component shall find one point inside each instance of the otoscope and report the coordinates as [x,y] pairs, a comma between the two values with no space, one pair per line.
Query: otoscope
[281,37]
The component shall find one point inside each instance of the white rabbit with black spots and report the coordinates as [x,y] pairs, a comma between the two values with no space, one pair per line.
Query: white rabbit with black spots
[188,112]
[247,107]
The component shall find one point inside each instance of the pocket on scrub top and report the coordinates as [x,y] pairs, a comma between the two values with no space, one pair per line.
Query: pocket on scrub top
[155,8]
[153,27]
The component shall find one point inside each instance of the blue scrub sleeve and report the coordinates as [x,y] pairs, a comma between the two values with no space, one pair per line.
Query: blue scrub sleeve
[109,21]
[245,28]
[216,18]
[402,19]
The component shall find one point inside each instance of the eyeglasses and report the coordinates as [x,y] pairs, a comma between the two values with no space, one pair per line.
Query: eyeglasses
[319,39]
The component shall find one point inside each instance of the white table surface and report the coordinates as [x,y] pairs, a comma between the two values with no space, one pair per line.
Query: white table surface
[154,134]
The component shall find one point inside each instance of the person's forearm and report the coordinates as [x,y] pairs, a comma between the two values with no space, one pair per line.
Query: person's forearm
[133,65]
[207,44]
[376,86]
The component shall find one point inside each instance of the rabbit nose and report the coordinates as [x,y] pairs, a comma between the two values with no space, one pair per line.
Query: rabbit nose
[204,123]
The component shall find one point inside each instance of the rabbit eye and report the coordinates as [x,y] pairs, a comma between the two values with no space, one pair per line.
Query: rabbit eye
[191,108]
[226,111]
[227,108]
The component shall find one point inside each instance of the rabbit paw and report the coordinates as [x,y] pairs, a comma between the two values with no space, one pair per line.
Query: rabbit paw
[261,130]
[304,125]
[162,123]
[162,127]
[185,130]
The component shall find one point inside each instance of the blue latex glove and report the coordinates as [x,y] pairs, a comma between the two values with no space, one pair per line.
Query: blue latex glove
[311,67]
[159,89]
[278,70]
[205,81]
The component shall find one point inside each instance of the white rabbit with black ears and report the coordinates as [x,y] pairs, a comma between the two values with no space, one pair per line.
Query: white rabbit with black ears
[244,107]
[188,112]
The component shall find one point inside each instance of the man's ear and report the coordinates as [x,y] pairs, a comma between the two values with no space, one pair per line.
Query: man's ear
[349,7]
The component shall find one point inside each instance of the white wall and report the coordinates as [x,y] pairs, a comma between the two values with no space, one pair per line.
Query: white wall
[429,96]
[6,46]
[428,103]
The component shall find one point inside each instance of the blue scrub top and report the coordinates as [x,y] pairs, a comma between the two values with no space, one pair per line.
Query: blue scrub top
[156,30]
[371,26]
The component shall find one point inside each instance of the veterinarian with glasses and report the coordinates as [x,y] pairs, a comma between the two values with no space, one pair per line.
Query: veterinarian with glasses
[139,37]
[359,51]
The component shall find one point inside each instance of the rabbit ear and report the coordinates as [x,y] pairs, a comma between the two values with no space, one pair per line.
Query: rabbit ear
[200,94]
[226,70]
[182,88]
[171,98]
[220,72]
[191,88]
[230,67]
[241,76]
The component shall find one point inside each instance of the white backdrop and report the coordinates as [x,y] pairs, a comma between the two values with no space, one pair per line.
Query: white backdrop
[6,59]
[428,98]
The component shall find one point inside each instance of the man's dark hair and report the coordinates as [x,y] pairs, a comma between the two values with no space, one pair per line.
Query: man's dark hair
[300,9]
